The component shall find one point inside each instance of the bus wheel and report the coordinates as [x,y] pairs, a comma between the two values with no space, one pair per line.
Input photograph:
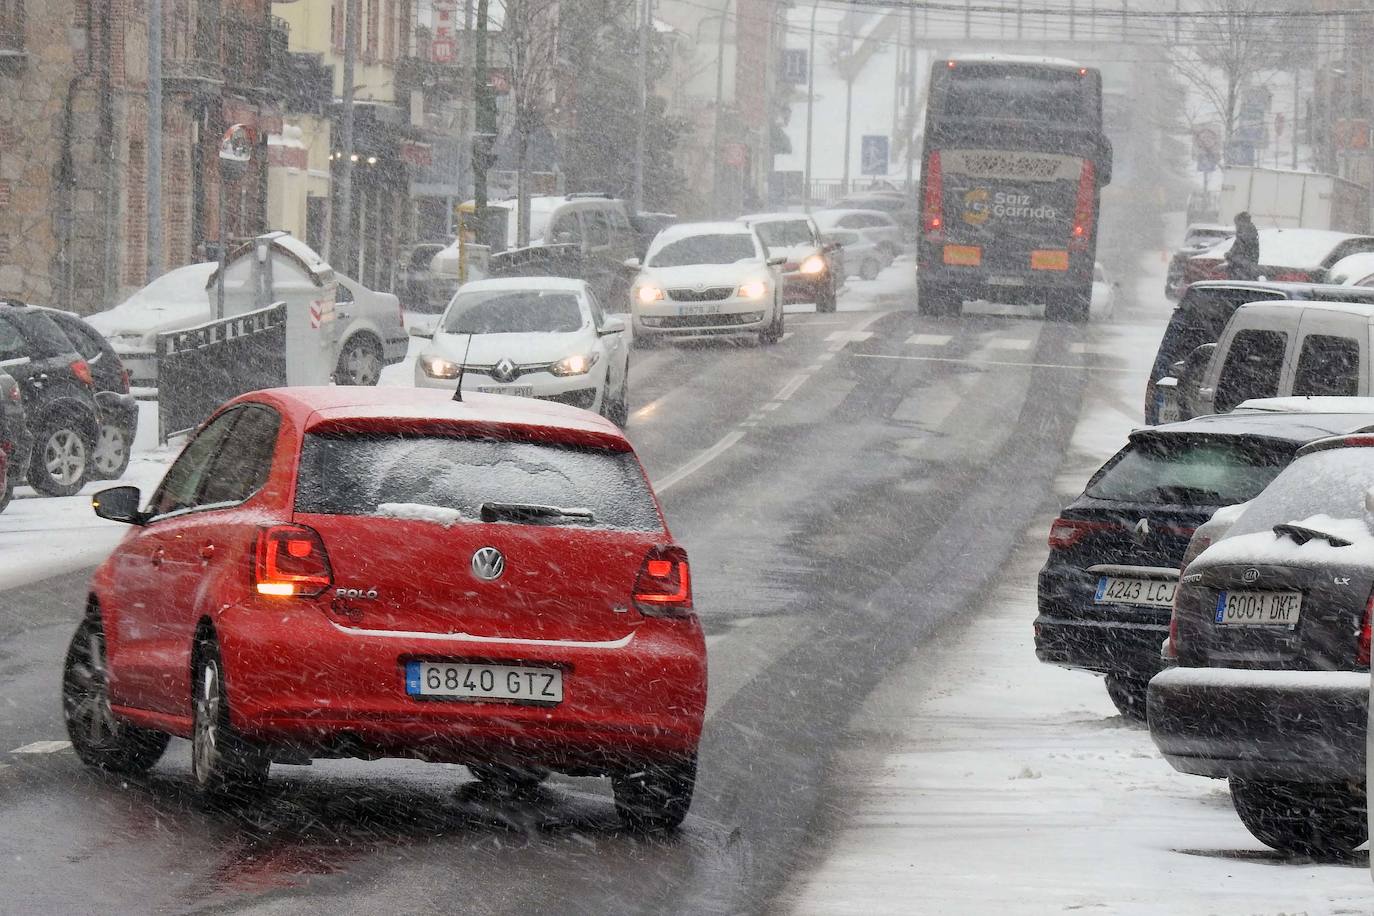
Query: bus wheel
[1068,305]
[937,301]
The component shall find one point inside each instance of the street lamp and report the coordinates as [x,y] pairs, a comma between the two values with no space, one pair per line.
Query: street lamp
[715,126]
[810,104]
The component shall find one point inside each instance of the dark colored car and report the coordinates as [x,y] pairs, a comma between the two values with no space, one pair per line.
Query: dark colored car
[118,407]
[1196,239]
[1286,255]
[1106,589]
[15,441]
[1202,313]
[1271,634]
[59,398]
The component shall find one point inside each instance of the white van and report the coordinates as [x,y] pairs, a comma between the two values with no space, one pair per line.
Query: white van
[1281,349]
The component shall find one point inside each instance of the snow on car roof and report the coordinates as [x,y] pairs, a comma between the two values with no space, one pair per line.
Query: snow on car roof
[683,230]
[549,283]
[1301,404]
[841,212]
[316,405]
[179,293]
[1298,426]
[1264,547]
[1351,269]
[1305,248]
[991,58]
[770,217]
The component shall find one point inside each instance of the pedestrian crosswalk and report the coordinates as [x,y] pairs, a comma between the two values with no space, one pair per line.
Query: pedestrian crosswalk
[934,342]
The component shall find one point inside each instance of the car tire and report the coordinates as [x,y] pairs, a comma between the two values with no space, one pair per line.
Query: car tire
[618,411]
[61,458]
[225,766]
[825,296]
[508,779]
[112,451]
[1128,695]
[360,361]
[99,739]
[655,797]
[773,333]
[868,270]
[1320,820]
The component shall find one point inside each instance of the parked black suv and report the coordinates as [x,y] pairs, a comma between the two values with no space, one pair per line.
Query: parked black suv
[1205,308]
[118,407]
[1271,632]
[59,397]
[15,442]
[1107,587]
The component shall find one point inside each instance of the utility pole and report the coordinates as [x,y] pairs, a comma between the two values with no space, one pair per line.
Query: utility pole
[1296,115]
[810,103]
[720,102]
[645,16]
[484,136]
[342,249]
[910,129]
[154,144]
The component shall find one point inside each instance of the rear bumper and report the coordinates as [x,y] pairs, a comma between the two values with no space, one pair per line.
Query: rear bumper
[1283,725]
[303,681]
[1105,646]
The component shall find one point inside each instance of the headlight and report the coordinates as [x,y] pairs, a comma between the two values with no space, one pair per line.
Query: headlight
[647,294]
[754,289]
[579,364]
[437,367]
[813,265]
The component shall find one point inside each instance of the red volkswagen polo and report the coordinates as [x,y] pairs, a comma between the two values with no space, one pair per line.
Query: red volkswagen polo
[374,572]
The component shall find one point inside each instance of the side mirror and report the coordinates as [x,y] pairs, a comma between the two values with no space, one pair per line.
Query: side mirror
[119,504]
[777,262]
[611,326]
[632,262]
[424,329]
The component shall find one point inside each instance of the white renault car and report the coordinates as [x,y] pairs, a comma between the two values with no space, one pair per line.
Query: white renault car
[534,337]
[707,279]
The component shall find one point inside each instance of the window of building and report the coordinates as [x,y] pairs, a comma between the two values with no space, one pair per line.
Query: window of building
[794,65]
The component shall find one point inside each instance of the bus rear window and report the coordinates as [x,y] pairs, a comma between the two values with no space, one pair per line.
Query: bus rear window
[1046,94]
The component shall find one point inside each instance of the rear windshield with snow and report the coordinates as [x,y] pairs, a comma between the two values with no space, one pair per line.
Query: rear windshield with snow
[1190,470]
[448,479]
[1331,482]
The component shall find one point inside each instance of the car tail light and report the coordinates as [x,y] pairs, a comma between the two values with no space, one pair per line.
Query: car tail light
[292,561]
[82,370]
[15,395]
[1083,208]
[1365,632]
[664,585]
[932,210]
[1066,532]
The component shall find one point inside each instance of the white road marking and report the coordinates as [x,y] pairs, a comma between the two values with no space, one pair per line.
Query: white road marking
[42,747]
[699,462]
[1101,349]
[846,337]
[825,357]
[928,340]
[1003,343]
[785,335]
[770,406]
[990,362]
[791,387]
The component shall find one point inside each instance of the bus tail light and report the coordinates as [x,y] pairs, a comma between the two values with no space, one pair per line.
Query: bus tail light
[932,208]
[1083,208]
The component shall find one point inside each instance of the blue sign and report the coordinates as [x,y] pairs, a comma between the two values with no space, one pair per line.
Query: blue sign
[873,154]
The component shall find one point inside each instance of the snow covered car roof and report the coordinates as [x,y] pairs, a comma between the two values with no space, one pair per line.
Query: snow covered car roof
[1352,270]
[770,217]
[1028,59]
[1301,248]
[683,230]
[177,297]
[1297,427]
[1302,404]
[560,284]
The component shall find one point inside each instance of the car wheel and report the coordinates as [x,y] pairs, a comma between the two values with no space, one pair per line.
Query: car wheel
[1128,695]
[224,765]
[868,270]
[656,797]
[508,779]
[1303,819]
[825,297]
[110,457]
[99,739]
[61,459]
[360,361]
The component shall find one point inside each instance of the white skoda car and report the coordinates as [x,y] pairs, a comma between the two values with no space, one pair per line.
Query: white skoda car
[706,279]
[535,337]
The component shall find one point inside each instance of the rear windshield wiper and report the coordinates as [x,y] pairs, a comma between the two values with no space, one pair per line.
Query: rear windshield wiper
[1302,535]
[531,512]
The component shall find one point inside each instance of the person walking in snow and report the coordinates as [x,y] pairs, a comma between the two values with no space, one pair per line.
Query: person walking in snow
[1243,260]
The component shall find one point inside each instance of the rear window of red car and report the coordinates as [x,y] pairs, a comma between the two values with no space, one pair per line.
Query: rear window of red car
[451,478]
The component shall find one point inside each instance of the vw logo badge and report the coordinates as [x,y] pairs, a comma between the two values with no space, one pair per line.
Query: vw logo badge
[1250,575]
[488,564]
[504,371]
